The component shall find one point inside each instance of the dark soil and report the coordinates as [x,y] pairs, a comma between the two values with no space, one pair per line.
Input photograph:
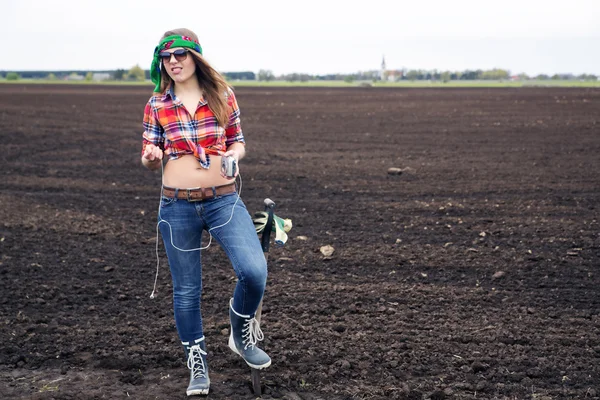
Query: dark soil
[473,274]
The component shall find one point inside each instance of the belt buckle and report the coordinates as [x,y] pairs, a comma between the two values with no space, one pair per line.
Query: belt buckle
[189,192]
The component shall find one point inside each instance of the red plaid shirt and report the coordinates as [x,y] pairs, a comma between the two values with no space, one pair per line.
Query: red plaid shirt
[169,125]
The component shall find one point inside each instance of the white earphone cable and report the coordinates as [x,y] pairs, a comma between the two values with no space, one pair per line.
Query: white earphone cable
[160,220]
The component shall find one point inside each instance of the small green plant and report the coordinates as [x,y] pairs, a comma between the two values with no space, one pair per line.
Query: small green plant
[304,384]
[12,76]
[49,388]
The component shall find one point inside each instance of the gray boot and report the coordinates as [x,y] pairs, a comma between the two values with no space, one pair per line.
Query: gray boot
[196,362]
[245,333]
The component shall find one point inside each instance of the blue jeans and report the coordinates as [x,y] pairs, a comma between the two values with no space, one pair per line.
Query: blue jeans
[238,238]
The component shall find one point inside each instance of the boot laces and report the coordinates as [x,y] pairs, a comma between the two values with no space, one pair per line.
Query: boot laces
[196,362]
[251,333]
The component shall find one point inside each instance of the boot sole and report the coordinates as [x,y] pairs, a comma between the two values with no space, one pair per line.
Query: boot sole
[232,347]
[196,392]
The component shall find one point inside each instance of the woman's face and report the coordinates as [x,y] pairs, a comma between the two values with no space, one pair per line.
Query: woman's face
[178,63]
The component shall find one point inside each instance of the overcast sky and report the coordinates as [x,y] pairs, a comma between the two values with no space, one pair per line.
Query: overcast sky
[309,36]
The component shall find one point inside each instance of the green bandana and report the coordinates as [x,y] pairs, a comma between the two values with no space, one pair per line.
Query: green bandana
[167,43]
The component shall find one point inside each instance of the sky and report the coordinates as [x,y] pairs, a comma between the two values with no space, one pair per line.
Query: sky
[309,36]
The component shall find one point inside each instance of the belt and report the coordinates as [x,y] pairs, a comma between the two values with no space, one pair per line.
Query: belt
[198,194]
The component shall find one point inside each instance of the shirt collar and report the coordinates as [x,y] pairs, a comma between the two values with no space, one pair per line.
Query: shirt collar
[170,92]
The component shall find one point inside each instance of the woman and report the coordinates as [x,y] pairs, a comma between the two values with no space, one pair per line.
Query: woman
[193,119]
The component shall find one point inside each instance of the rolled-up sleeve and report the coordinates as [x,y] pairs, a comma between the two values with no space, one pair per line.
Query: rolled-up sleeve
[233,131]
[153,130]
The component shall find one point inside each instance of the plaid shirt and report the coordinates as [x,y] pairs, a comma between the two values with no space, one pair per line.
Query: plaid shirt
[169,125]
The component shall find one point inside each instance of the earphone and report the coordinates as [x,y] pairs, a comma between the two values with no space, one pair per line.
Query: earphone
[160,220]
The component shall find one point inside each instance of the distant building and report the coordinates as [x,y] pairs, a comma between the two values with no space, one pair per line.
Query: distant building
[394,75]
[390,75]
[75,77]
[100,76]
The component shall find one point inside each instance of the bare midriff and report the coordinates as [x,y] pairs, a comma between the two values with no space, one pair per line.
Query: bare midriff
[186,173]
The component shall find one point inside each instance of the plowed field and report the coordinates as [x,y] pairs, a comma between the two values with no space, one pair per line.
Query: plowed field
[472,274]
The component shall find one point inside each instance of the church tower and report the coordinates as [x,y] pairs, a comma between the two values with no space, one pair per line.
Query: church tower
[382,72]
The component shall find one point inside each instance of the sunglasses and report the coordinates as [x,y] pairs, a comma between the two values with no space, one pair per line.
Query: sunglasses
[180,55]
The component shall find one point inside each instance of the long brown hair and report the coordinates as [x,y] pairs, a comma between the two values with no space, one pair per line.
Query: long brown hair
[212,83]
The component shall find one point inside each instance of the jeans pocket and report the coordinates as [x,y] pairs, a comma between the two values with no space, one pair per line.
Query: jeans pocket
[166,201]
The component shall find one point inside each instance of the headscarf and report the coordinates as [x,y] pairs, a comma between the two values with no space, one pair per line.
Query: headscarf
[167,43]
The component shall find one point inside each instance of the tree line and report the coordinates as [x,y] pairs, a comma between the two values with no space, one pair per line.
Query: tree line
[136,73]
[420,74]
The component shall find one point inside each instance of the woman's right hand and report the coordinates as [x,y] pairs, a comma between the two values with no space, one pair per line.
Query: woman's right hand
[152,153]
